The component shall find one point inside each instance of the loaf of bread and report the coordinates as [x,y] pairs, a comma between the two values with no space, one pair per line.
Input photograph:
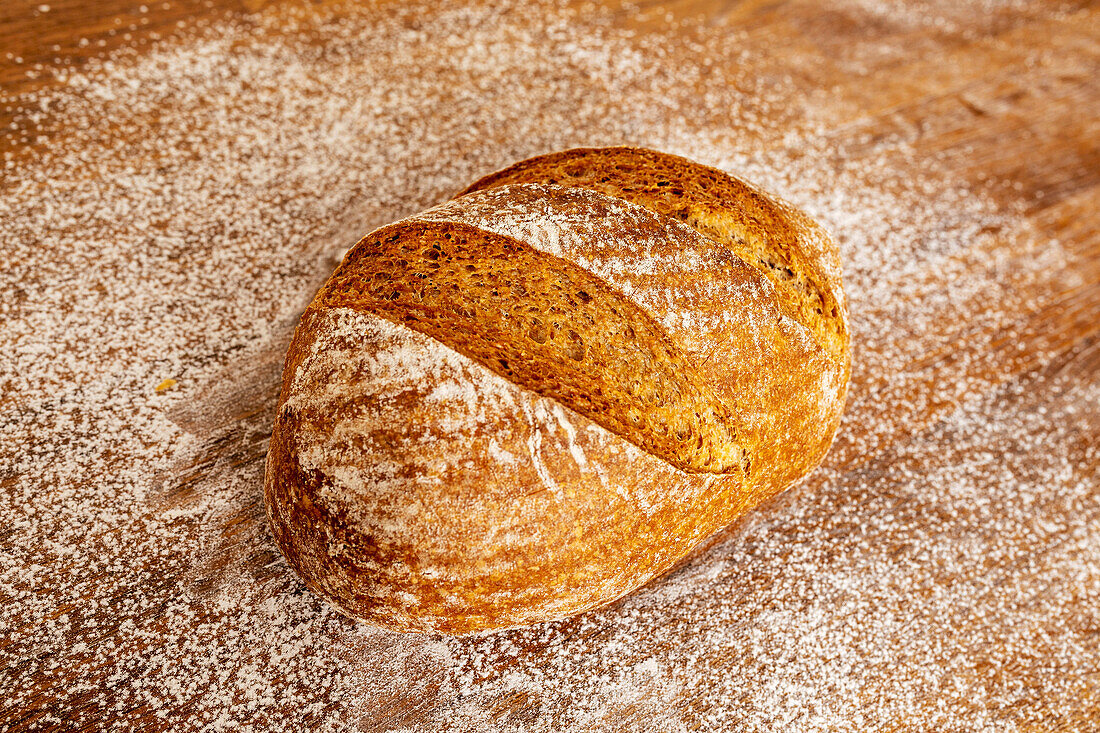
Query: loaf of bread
[534,398]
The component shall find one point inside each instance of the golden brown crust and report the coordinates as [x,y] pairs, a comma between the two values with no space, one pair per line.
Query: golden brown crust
[787,246]
[546,324]
[418,485]
[452,500]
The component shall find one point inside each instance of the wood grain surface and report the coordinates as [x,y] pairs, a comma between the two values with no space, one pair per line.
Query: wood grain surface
[967,602]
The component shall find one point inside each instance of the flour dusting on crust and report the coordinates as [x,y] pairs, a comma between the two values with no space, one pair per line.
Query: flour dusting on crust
[666,267]
[402,433]
[706,299]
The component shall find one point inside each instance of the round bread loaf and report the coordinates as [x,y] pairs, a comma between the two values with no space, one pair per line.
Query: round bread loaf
[532,399]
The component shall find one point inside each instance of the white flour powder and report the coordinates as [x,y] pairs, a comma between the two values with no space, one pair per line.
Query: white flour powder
[941,571]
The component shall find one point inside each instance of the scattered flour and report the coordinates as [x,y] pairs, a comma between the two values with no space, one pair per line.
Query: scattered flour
[942,569]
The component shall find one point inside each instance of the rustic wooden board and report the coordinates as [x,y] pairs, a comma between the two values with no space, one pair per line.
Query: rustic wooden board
[940,571]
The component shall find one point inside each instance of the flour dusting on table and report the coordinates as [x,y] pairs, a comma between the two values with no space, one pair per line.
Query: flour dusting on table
[942,568]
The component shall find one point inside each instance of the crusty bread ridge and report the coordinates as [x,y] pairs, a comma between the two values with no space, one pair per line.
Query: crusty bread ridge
[532,399]
[786,245]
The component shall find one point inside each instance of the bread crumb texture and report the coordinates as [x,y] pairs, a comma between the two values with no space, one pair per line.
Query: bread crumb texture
[940,572]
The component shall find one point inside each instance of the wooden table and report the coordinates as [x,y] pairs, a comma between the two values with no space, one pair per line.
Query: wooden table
[941,571]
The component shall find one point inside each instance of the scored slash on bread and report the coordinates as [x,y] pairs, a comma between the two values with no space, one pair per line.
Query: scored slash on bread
[542,322]
[531,399]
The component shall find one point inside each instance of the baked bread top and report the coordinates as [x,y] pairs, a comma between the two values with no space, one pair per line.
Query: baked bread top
[531,399]
[787,246]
